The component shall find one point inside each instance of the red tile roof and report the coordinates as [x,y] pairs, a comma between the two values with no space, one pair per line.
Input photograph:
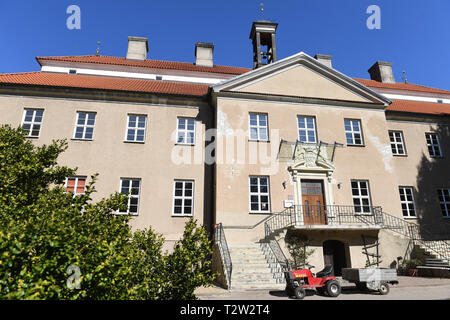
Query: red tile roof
[154,64]
[178,88]
[400,86]
[185,66]
[419,107]
[106,83]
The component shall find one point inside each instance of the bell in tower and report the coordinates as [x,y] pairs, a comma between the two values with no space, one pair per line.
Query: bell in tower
[263,39]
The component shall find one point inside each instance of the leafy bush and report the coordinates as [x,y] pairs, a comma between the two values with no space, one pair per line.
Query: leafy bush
[54,245]
[297,246]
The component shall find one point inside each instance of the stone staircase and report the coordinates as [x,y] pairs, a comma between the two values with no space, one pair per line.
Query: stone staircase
[438,248]
[437,262]
[258,265]
[253,269]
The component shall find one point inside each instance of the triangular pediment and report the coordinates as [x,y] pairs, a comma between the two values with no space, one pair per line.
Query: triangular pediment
[301,76]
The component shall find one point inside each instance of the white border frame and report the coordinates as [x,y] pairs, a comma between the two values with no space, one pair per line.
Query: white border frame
[306,129]
[185,131]
[32,123]
[258,126]
[407,202]
[440,190]
[135,128]
[259,194]
[76,184]
[85,125]
[396,143]
[438,145]
[131,196]
[183,197]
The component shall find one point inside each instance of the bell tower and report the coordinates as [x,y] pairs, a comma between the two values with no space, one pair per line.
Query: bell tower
[264,44]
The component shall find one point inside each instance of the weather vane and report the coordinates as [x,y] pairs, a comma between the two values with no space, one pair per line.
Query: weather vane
[262,8]
[404,76]
[98,48]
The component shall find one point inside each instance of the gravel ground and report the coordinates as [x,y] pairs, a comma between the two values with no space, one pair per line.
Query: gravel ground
[409,288]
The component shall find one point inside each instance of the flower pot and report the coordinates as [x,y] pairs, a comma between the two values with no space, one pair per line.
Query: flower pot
[413,272]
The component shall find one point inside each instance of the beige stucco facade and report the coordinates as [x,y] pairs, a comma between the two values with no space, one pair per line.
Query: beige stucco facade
[282,122]
[282,92]
[304,90]
[157,162]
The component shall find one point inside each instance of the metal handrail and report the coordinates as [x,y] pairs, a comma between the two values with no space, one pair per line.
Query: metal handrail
[219,238]
[278,253]
[338,214]
[417,233]
[278,221]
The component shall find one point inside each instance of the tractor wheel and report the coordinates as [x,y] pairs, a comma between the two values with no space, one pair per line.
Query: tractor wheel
[299,292]
[384,288]
[333,288]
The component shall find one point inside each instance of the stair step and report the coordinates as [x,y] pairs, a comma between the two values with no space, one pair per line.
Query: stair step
[247,256]
[249,259]
[246,270]
[276,286]
[251,282]
[243,277]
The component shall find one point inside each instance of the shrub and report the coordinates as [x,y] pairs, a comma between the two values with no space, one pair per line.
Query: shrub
[297,246]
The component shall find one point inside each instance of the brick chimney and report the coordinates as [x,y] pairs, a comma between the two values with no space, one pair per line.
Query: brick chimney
[382,72]
[324,59]
[204,54]
[137,48]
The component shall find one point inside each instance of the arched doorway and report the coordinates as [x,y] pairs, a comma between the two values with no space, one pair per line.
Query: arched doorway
[334,254]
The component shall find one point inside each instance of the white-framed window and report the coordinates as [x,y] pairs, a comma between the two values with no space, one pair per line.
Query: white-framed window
[306,129]
[258,127]
[77,185]
[32,122]
[361,196]
[397,143]
[444,201]
[434,147]
[183,198]
[136,127]
[186,131]
[407,201]
[84,125]
[353,132]
[132,188]
[259,194]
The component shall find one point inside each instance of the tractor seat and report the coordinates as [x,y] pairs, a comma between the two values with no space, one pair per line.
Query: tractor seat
[326,272]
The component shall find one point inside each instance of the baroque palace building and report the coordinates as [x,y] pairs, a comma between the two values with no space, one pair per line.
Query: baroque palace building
[359,167]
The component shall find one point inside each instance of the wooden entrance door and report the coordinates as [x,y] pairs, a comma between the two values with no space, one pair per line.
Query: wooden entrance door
[313,202]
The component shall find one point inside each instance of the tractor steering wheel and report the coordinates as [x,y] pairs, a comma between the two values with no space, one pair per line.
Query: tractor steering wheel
[309,266]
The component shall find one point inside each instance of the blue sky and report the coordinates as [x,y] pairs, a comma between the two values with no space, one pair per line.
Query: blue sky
[414,35]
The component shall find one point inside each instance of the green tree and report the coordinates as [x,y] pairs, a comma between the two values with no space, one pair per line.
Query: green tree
[45,231]
[297,246]
[54,245]
[174,275]
[189,264]
[148,264]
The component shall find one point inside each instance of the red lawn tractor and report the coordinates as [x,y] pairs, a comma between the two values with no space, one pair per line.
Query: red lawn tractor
[297,281]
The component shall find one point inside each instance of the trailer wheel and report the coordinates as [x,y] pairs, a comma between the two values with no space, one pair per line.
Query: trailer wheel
[333,288]
[384,288]
[299,292]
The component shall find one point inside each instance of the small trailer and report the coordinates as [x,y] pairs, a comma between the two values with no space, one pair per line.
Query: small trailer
[377,279]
